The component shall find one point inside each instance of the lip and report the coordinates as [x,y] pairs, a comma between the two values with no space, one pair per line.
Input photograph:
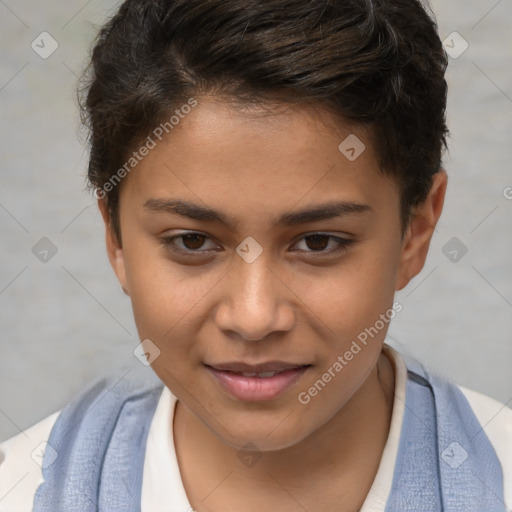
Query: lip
[268,366]
[255,389]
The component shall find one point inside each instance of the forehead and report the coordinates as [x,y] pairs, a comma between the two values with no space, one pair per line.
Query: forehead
[260,160]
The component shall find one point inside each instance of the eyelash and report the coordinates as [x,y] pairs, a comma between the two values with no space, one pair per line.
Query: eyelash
[342,244]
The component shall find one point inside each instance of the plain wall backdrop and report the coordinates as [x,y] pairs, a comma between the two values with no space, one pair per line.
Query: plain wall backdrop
[64,319]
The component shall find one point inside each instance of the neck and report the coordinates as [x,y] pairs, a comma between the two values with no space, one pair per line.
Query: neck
[332,469]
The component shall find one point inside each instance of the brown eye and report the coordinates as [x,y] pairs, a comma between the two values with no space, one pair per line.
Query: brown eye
[323,244]
[193,241]
[317,242]
[189,243]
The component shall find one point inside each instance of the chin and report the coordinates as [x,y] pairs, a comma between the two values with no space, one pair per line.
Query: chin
[264,436]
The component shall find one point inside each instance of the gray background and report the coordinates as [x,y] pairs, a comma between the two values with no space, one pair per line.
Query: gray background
[66,321]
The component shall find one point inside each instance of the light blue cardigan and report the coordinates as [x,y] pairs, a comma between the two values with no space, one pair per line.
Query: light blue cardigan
[445,461]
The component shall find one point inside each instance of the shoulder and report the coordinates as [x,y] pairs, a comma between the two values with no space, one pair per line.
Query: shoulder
[20,465]
[470,407]
[495,419]
[21,456]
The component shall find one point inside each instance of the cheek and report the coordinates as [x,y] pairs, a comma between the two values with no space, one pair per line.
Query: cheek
[352,295]
[161,293]
[356,304]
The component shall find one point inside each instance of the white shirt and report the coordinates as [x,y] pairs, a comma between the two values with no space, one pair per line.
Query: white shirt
[162,486]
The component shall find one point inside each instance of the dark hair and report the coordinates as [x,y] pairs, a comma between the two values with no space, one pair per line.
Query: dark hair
[378,63]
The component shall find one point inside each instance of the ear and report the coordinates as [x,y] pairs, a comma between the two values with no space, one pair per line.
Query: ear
[420,230]
[114,248]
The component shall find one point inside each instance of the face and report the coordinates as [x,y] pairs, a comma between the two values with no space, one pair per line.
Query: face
[251,243]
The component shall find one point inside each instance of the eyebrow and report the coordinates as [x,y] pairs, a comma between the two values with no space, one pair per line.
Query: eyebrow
[330,210]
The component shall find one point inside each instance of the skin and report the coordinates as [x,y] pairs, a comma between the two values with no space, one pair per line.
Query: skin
[298,301]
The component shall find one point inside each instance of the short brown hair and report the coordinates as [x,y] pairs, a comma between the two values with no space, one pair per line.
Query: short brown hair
[379,63]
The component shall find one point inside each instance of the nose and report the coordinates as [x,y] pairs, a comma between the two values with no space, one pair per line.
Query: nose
[255,302]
